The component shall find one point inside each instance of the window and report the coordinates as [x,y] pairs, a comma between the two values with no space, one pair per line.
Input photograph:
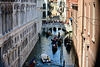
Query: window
[13,56]
[93,22]
[6,31]
[71,13]
[16,18]
[20,35]
[89,21]
[9,60]
[3,24]
[18,50]
[44,6]
[48,13]
[44,14]
[85,18]
[15,40]
[35,28]
[71,5]
[48,5]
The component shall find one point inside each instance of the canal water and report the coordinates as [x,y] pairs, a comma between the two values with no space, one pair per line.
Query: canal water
[44,46]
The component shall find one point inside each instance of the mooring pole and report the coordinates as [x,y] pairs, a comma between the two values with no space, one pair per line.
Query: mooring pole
[60,57]
[61,53]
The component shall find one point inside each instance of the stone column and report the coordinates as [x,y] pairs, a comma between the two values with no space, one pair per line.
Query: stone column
[3,23]
[28,15]
[9,20]
[33,12]
[57,28]
[14,19]
[0,25]
[19,19]
[52,29]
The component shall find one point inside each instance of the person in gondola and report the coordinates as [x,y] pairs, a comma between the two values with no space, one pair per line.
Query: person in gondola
[55,45]
[32,64]
[55,38]
[58,34]
[47,58]
[61,40]
[66,40]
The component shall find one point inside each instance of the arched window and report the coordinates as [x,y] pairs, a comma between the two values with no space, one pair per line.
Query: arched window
[44,14]
[44,6]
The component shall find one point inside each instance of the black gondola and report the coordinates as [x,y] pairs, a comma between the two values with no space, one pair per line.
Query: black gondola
[54,48]
[68,47]
[54,28]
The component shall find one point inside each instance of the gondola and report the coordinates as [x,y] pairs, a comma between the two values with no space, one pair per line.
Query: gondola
[60,41]
[54,40]
[54,47]
[45,58]
[68,47]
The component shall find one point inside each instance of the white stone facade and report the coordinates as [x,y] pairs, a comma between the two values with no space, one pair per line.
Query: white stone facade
[45,16]
[20,23]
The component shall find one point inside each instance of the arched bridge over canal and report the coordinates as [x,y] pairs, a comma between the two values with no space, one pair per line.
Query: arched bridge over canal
[63,26]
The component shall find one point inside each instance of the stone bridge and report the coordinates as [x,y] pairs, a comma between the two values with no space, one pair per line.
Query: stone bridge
[47,26]
[50,25]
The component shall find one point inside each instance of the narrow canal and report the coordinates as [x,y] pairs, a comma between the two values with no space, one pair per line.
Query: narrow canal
[44,46]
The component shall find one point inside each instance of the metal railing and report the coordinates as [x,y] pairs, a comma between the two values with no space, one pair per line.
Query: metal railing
[44,24]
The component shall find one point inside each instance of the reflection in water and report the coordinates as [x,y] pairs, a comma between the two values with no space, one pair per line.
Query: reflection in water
[44,46]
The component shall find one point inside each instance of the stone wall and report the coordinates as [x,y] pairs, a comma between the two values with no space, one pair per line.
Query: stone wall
[20,23]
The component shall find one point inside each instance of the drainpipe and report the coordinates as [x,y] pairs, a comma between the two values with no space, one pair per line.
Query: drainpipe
[82,33]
